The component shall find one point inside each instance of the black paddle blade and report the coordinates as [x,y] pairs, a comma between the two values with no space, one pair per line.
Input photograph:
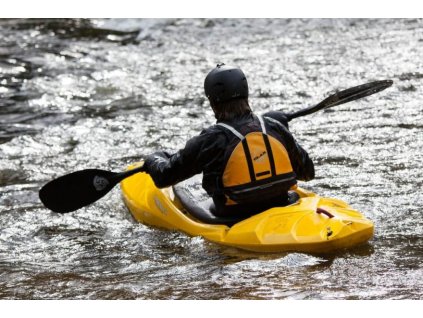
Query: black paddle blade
[76,190]
[344,96]
[356,92]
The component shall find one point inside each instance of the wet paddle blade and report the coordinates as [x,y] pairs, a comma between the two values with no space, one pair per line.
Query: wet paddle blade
[344,96]
[76,190]
[356,92]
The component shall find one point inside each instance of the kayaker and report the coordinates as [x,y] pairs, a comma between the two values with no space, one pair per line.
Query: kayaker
[248,162]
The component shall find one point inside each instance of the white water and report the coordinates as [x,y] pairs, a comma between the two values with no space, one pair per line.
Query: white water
[104,94]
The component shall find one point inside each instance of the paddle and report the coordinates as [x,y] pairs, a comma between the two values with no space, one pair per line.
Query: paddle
[343,97]
[81,188]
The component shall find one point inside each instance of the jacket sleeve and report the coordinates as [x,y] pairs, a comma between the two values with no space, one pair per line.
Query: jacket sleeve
[301,163]
[168,169]
[279,116]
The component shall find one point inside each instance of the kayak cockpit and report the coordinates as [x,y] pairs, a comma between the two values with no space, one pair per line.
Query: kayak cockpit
[202,210]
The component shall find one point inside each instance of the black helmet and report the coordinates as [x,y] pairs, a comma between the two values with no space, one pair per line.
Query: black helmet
[224,83]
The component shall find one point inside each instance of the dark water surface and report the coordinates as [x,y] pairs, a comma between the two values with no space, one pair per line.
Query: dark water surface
[78,94]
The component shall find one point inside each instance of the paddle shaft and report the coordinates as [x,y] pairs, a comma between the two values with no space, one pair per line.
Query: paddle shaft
[123,175]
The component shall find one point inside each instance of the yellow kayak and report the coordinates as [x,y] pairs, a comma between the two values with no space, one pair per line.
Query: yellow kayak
[312,224]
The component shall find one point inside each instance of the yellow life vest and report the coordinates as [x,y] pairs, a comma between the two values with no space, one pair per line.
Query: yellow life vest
[258,168]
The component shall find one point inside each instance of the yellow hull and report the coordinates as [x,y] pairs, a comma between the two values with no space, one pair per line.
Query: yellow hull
[297,227]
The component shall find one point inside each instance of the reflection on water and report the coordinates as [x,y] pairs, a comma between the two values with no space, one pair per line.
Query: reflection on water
[104,93]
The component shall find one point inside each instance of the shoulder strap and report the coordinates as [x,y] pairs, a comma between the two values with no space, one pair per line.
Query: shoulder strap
[238,134]
[232,129]
[263,127]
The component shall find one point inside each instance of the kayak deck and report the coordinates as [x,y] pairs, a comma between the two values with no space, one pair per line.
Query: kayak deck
[313,224]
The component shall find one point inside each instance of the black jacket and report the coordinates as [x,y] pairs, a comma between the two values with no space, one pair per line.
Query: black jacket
[205,153]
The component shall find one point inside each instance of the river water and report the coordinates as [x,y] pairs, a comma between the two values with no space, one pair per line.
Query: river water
[78,94]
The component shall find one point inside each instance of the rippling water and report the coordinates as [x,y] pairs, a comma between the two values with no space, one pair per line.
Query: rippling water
[78,94]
